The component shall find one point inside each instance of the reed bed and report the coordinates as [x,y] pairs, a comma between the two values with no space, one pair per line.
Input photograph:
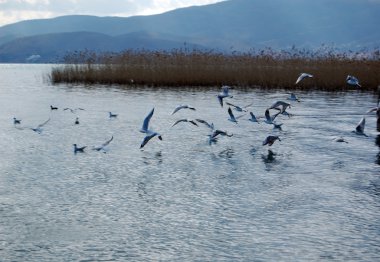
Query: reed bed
[196,68]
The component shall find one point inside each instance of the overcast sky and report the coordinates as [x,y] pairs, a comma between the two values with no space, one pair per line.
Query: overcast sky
[16,10]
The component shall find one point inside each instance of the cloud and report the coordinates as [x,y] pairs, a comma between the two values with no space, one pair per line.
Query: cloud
[16,10]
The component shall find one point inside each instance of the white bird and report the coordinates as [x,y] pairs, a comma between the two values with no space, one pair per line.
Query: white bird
[102,146]
[270,119]
[238,108]
[253,118]
[183,107]
[145,129]
[72,110]
[280,105]
[111,115]
[215,133]
[78,149]
[223,94]
[293,97]
[232,117]
[211,126]
[270,140]
[16,121]
[352,81]
[360,127]
[303,76]
[149,137]
[185,120]
[38,129]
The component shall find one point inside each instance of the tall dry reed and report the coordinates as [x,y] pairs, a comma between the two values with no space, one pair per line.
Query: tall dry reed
[264,68]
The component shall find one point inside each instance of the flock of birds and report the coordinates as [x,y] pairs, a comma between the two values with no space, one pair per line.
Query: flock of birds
[271,113]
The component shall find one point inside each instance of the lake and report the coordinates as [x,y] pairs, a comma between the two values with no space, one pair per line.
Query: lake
[180,199]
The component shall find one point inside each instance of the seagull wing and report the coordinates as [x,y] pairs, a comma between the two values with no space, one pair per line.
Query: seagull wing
[44,123]
[360,126]
[220,99]
[232,117]
[146,139]
[178,108]
[146,121]
[179,121]
[205,123]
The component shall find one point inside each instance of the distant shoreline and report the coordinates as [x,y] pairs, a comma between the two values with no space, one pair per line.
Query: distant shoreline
[177,68]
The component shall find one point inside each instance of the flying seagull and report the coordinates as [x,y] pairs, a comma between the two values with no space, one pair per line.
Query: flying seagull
[72,110]
[102,146]
[215,133]
[223,94]
[182,107]
[270,140]
[280,105]
[359,130]
[253,118]
[352,81]
[303,76]
[38,129]
[145,129]
[238,108]
[211,126]
[185,120]
[270,119]
[293,97]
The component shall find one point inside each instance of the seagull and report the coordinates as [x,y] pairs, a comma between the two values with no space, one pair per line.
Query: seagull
[72,110]
[111,115]
[38,129]
[360,127]
[270,140]
[78,149]
[102,146]
[270,120]
[293,97]
[238,108]
[185,120]
[340,140]
[16,121]
[223,94]
[149,137]
[76,121]
[182,107]
[303,76]
[215,133]
[53,107]
[145,129]
[211,126]
[279,104]
[253,118]
[352,81]
[232,117]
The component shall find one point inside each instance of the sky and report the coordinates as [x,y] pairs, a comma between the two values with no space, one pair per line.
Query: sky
[12,11]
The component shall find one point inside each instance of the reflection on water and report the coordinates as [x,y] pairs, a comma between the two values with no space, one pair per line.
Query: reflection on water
[181,199]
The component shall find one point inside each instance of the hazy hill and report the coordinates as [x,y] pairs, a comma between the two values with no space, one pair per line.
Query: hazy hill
[229,25]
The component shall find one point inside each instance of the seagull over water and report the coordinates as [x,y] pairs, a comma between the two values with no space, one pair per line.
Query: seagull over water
[253,118]
[213,136]
[78,149]
[352,81]
[232,117]
[359,130]
[182,107]
[270,140]
[280,105]
[73,110]
[38,129]
[211,126]
[293,97]
[238,108]
[270,119]
[303,76]
[16,121]
[111,115]
[223,94]
[102,146]
[185,120]
[145,129]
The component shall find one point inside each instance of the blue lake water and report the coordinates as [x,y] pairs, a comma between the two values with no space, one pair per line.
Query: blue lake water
[182,199]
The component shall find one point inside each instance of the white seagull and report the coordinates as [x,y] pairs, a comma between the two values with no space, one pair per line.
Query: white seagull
[73,110]
[213,136]
[38,129]
[270,119]
[238,108]
[102,146]
[211,126]
[16,121]
[223,94]
[182,107]
[359,130]
[145,129]
[185,120]
[303,76]
[253,118]
[279,104]
[232,117]
[352,81]
[111,115]
[293,97]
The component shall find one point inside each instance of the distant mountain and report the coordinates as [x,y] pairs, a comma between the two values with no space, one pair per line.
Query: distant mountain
[230,25]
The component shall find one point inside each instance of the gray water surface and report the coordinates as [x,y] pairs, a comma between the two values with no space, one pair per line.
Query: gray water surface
[181,199]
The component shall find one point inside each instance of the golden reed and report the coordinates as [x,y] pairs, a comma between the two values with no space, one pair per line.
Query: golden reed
[180,67]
